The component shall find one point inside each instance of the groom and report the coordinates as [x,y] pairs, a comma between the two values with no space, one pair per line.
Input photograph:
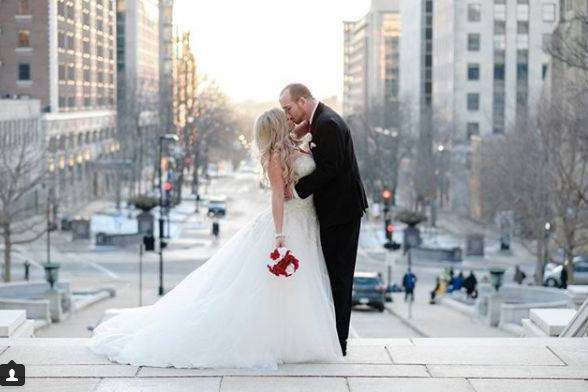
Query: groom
[339,196]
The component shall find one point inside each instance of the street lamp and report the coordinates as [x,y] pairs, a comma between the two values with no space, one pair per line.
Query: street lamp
[51,269]
[548,229]
[162,244]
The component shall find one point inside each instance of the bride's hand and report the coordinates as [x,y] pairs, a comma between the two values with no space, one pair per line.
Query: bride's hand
[301,129]
[279,243]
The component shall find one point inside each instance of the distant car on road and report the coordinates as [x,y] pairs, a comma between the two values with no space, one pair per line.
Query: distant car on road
[217,206]
[368,289]
[552,276]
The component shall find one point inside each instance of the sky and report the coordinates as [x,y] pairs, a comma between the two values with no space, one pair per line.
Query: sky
[253,48]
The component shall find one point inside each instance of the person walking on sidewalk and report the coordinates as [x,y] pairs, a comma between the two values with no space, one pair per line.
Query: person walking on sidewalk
[519,275]
[563,277]
[409,283]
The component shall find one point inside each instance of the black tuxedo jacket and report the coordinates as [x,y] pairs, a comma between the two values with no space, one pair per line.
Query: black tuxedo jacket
[338,192]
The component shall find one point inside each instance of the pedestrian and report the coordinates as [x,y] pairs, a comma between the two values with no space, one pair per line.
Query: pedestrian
[456,282]
[519,275]
[435,291]
[563,277]
[215,229]
[409,283]
[470,283]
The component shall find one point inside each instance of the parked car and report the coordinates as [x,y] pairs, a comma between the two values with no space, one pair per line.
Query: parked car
[368,289]
[552,277]
[217,206]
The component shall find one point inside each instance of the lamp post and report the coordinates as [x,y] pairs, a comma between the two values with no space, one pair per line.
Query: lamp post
[162,244]
[51,269]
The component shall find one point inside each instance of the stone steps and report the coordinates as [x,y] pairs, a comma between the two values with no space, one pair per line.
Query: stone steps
[429,364]
[14,324]
[547,322]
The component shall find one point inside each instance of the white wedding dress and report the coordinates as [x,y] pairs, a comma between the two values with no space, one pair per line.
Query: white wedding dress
[232,312]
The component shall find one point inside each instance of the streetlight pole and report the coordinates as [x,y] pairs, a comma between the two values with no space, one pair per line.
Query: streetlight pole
[162,244]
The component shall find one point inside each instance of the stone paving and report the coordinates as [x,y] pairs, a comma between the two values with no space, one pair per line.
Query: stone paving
[434,364]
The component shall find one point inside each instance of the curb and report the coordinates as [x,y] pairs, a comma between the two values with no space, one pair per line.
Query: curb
[407,323]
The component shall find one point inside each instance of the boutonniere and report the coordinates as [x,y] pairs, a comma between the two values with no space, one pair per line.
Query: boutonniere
[306,142]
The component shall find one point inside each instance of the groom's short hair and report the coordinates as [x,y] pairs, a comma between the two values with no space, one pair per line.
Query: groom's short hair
[297,91]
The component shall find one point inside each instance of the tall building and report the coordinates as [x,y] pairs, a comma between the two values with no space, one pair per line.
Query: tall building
[61,52]
[489,62]
[138,89]
[185,82]
[371,59]
[416,60]
[166,54]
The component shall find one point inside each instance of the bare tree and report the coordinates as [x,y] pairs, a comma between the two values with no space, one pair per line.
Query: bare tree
[22,170]
[382,140]
[138,128]
[513,176]
[563,127]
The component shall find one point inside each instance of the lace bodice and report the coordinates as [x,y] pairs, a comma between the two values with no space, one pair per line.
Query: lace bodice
[303,165]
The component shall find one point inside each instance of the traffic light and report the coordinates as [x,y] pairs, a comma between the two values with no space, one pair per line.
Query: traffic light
[389,229]
[390,244]
[149,242]
[167,188]
[387,196]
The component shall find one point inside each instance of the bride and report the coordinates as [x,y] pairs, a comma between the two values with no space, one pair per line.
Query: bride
[232,312]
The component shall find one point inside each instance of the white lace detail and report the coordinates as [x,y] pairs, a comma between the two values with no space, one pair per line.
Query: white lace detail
[302,210]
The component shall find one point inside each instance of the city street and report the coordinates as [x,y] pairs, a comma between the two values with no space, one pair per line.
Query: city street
[87,268]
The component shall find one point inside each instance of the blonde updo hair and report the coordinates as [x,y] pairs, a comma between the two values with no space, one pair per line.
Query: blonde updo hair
[272,138]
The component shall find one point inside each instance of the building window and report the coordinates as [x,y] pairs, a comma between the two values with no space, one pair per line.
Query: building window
[500,42]
[523,10]
[498,71]
[499,10]
[474,12]
[70,41]
[522,71]
[473,42]
[23,7]
[499,27]
[71,74]
[547,39]
[24,71]
[61,73]
[523,27]
[472,128]
[24,39]
[61,40]
[473,71]
[473,102]
[544,70]
[61,8]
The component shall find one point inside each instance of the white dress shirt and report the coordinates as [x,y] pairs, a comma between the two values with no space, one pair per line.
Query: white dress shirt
[294,194]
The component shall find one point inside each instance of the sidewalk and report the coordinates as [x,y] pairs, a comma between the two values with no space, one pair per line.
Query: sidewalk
[439,321]
[372,365]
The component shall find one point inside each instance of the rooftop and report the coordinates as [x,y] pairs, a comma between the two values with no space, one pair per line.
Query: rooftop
[455,364]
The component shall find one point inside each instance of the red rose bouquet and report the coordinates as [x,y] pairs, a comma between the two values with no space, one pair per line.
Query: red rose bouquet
[284,262]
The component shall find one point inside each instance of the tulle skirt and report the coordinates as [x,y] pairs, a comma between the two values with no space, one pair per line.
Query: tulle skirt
[232,312]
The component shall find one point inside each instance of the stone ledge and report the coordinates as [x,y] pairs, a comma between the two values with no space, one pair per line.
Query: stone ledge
[457,364]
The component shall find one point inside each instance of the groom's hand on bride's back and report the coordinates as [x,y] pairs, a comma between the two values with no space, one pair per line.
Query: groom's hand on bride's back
[288,195]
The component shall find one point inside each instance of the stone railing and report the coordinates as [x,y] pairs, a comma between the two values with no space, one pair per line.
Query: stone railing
[578,327]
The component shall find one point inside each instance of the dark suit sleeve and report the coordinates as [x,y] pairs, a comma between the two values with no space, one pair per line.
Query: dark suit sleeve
[329,155]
